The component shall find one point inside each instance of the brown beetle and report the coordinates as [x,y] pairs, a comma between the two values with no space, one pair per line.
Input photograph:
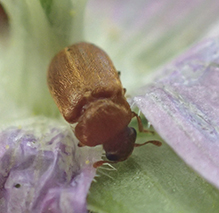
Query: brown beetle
[87,89]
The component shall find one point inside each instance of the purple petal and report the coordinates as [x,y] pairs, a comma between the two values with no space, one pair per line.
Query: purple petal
[183,107]
[44,172]
[141,36]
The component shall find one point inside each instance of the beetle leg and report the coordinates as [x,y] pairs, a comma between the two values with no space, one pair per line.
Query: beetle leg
[80,144]
[140,125]
[101,162]
[124,90]
[156,143]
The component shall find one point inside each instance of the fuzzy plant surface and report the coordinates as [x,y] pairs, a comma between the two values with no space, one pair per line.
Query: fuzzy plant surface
[167,52]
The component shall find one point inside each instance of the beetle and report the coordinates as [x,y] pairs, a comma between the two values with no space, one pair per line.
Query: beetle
[87,90]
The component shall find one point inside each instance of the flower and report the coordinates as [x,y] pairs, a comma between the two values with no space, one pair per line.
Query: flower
[43,170]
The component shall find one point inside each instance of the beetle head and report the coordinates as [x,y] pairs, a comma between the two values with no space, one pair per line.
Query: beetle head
[120,147]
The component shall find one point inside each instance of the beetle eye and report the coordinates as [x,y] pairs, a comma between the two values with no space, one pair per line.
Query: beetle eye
[133,133]
[112,157]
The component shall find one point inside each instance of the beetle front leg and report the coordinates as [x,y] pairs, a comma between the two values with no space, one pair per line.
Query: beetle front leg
[140,125]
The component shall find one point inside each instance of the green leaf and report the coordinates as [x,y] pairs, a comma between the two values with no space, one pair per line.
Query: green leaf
[152,180]
[46,4]
[38,30]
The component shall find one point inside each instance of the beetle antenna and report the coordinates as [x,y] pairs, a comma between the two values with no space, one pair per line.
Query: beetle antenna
[156,143]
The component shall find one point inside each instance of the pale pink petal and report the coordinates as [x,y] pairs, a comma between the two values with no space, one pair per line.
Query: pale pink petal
[183,107]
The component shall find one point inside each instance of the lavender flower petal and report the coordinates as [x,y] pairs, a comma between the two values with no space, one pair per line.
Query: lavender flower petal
[142,35]
[43,170]
[183,107]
